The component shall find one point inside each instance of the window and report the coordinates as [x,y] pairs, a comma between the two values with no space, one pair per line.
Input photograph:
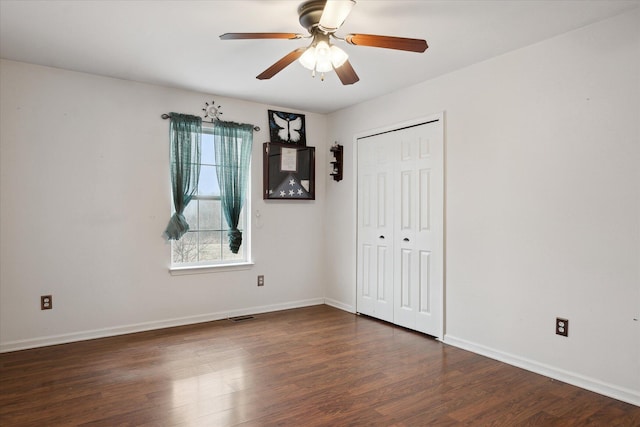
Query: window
[206,243]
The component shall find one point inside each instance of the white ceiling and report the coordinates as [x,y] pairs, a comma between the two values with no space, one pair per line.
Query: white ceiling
[176,43]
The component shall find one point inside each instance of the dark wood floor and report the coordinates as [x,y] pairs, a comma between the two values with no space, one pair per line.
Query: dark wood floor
[315,366]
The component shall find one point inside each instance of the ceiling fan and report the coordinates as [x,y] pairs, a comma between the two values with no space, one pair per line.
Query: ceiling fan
[322,18]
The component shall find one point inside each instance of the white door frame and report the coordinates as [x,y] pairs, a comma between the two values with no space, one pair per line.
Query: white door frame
[389,128]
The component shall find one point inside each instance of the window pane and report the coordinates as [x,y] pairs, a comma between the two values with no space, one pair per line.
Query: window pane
[207,154]
[218,216]
[210,215]
[208,183]
[185,249]
[209,245]
[219,239]
[191,214]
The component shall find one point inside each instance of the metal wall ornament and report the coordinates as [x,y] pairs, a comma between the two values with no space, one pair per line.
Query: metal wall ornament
[212,111]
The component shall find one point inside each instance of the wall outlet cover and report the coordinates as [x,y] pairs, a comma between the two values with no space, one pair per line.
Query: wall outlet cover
[46,302]
[562,327]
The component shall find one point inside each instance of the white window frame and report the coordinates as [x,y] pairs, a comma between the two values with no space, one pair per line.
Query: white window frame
[220,265]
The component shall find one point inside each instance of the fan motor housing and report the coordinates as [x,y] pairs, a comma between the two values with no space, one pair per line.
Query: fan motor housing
[310,13]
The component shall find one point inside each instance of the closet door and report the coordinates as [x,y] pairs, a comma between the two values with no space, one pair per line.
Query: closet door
[400,252]
[418,228]
[375,228]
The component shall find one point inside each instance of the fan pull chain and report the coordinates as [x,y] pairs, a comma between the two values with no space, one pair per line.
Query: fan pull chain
[313,74]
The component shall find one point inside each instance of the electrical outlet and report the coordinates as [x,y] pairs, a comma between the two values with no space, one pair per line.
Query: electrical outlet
[261,280]
[562,327]
[46,302]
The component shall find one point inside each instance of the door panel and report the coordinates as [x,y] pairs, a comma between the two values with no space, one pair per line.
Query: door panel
[381,285]
[382,196]
[406,210]
[424,195]
[366,270]
[425,283]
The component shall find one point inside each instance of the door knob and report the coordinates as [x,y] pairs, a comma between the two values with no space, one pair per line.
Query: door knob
[406,239]
[381,237]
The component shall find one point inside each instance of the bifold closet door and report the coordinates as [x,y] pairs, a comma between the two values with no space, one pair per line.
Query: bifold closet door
[418,228]
[400,226]
[375,229]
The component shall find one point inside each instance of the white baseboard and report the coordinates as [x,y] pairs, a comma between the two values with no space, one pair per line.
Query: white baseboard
[615,392]
[339,305]
[148,326]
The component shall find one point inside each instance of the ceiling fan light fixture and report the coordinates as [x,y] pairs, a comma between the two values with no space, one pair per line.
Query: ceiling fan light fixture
[323,57]
[322,18]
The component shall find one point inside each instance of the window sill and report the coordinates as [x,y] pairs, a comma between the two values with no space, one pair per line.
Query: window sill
[202,269]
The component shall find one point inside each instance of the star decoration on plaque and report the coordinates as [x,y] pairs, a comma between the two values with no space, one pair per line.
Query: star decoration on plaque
[290,188]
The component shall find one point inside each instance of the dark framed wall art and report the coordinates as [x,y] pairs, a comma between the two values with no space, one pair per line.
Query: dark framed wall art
[287,128]
[288,171]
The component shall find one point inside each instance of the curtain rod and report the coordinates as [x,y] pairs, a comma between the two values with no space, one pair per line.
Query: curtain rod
[166,116]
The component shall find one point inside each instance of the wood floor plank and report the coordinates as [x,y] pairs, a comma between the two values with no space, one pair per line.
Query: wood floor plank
[315,366]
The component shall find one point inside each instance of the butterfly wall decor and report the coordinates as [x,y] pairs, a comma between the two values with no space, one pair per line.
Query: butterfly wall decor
[287,128]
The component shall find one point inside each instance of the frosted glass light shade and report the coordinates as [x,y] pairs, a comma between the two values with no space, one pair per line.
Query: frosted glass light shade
[338,56]
[322,57]
[323,65]
[308,58]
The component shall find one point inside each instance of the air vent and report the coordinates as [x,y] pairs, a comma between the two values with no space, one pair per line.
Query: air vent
[241,318]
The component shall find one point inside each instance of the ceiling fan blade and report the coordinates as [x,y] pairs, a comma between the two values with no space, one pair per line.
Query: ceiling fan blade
[387,42]
[347,74]
[335,13]
[281,64]
[245,36]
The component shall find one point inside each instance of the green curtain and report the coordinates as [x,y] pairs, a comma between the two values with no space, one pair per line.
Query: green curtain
[233,142]
[185,137]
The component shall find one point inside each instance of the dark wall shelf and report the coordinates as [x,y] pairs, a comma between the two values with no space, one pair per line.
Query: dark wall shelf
[337,162]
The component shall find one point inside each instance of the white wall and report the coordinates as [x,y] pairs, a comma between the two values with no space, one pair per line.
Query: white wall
[542,203]
[85,198]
